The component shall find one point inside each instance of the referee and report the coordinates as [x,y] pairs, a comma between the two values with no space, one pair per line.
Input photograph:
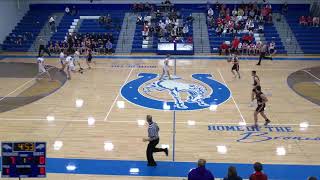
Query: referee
[153,138]
[263,53]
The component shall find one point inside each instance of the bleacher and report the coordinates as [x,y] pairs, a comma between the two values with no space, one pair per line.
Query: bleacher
[32,22]
[306,36]
[270,34]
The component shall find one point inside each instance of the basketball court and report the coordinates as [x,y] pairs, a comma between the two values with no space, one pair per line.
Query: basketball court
[94,123]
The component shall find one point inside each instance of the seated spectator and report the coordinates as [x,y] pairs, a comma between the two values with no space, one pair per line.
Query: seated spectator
[234,12]
[200,173]
[224,48]
[190,18]
[235,44]
[109,47]
[309,20]
[315,21]
[139,20]
[67,10]
[258,174]
[185,30]
[303,21]
[232,174]
[219,30]
[210,12]
[74,11]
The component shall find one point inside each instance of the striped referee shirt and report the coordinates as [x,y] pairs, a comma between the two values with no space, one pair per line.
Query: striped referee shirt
[153,131]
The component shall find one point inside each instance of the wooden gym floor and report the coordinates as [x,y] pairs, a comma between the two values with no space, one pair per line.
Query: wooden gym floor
[99,89]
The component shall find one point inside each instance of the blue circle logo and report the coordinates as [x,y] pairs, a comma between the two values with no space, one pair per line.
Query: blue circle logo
[175,94]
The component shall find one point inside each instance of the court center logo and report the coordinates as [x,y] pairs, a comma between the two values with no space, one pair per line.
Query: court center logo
[175,94]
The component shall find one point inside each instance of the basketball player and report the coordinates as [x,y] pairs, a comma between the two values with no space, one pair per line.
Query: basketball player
[261,100]
[263,52]
[41,67]
[89,58]
[235,67]
[69,63]
[77,60]
[61,56]
[256,83]
[165,69]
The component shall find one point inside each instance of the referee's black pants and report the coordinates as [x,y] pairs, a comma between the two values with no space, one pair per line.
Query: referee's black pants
[263,55]
[43,48]
[151,149]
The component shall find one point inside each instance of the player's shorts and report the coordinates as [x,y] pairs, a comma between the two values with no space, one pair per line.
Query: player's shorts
[260,108]
[42,69]
[235,67]
[62,61]
[254,89]
[89,59]
[71,68]
[272,51]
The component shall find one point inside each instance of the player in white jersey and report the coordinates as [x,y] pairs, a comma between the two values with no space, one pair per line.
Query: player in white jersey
[69,63]
[61,57]
[41,67]
[76,60]
[165,69]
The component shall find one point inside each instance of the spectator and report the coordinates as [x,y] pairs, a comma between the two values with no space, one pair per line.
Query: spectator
[200,173]
[52,24]
[210,12]
[74,11]
[67,10]
[303,21]
[258,175]
[232,174]
[315,21]
[185,30]
[219,30]
[224,48]
[285,8]
[235,44]
[309,21]
[109,47]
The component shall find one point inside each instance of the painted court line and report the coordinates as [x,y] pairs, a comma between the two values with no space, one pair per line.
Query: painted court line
[235,103]
[311,74]
[135,122]
[21,86]
[115,100]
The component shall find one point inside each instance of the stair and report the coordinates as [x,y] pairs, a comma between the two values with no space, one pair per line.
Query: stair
[45,32]
[200,34]
[287,36]
[125,40]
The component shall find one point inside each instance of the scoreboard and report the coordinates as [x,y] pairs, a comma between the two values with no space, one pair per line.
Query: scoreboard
[23,159]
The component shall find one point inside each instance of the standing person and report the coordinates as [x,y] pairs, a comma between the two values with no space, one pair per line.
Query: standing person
[61,56]
[89,58]
[263,53]
[42,47]
[77,60]
[261,101]
[235,67]
[256,83]
[232,174]
[258,174]
[70,66]
[153,139]
[165,68]
[41,67]
[200,173]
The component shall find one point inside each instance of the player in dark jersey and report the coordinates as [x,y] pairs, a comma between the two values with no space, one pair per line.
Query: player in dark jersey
[235,67]
[89,58]
[261,100]
[256,83]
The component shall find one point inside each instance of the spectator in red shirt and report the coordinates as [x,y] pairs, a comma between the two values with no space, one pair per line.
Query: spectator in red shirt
[224,48]
[302,21]
[235,44]
[258,175]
